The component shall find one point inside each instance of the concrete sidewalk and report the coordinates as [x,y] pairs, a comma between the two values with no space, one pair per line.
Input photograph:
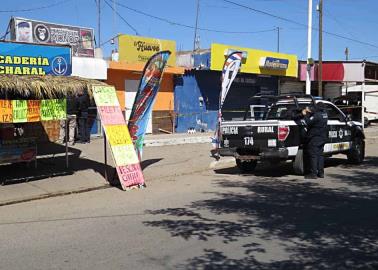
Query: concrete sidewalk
[87,170]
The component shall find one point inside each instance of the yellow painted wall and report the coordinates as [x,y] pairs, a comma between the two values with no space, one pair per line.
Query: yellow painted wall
[251,64]
[136,49]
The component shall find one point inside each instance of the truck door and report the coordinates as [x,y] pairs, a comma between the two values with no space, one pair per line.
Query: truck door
[339,133]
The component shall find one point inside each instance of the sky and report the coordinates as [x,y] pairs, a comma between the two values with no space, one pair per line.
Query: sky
[219,21]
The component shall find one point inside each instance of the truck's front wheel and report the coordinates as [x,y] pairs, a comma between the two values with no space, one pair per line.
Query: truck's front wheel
[356,154]
[246,165]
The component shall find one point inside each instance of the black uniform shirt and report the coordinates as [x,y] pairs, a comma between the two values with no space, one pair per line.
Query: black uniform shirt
[317,124]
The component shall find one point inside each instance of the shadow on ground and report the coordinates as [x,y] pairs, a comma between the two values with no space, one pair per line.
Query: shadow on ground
[315,227]
[52,164]
[286,168]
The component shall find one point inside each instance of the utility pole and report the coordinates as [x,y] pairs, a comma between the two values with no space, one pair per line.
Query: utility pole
[278,39]
[320,71]
[309,34]
[346,59]
[99,22]
[196,40]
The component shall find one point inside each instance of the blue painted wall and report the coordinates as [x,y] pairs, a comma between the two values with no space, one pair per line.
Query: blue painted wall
[197,97]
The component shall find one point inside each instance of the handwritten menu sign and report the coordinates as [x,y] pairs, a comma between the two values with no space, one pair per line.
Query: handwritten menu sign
[111,115]
[105,96]
[20,111]
[118,135]
[126,160]
[6,111]
[34,110]
[53,109]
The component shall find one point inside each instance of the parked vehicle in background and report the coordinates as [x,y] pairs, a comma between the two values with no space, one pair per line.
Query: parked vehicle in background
[272,135]
[351,103]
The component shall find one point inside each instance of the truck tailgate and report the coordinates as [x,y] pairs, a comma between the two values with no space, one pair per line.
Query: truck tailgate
[250,134]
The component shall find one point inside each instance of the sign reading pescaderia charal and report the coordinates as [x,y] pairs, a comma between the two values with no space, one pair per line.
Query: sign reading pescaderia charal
[81,39]
[136,49]
[29,59]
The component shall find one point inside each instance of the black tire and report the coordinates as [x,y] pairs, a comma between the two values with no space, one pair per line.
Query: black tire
[246,165]
[356,154]
[298,164]
[366,122]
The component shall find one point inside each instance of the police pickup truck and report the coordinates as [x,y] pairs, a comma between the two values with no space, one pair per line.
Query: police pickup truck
[267,132]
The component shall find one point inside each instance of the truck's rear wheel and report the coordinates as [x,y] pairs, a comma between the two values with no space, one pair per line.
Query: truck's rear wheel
[356,153]
[246,165]
[366,122]
[298,164]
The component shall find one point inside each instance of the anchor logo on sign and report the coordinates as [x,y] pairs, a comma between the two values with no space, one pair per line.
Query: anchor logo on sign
[59,66]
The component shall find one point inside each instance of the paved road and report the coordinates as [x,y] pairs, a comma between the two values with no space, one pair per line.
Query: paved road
[197,218]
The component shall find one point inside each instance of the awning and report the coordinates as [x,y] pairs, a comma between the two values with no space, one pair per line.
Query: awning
[46,86]
[89,68]
[139,67]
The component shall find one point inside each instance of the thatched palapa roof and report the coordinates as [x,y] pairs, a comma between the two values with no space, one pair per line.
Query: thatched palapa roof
[44,86]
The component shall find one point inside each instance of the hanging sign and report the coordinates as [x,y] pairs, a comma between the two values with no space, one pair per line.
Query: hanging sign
[20,111]
[53,109]
[34,111]
[6,111]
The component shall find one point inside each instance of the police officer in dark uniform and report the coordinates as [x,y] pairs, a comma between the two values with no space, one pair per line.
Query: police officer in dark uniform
[316,123]
[83,106]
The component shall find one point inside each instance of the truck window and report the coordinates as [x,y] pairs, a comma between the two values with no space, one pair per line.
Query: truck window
[283,112]
[333,113]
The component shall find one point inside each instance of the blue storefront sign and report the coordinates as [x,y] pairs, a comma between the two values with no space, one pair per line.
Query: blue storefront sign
[274,63]
[29,59]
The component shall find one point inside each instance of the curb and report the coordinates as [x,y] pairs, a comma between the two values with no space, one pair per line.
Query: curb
[177,141]
[54,194]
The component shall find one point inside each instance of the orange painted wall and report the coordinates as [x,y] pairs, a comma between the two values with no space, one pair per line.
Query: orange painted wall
[164,99]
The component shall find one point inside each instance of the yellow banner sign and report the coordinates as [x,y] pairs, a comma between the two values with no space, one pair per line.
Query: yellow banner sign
[256,61]
[135,49]
[118,135]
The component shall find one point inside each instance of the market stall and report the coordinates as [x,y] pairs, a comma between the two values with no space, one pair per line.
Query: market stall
[32,114]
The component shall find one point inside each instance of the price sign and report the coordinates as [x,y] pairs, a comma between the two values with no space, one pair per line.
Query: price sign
[124,154]
[34,110]
[105,96]
[53,109]
[6,111]
[130,175]
[118,135]
[20,111]
[111,115]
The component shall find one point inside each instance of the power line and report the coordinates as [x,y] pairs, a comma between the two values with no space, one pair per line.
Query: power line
[122,18]
[301,24]
[190,26]
[36,8]
[365,57]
